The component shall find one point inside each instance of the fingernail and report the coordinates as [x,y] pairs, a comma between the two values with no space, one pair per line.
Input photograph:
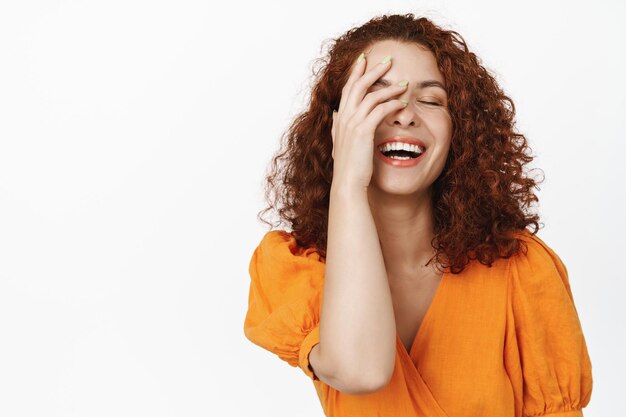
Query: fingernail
[404,101]
[360,58]
[386,59]
[403,83]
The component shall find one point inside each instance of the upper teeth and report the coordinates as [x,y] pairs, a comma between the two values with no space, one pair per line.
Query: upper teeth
[396,146]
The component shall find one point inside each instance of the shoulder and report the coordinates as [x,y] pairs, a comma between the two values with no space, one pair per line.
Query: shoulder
[280,245]
[535,242]
[279,265]
[537,272]
[534,253]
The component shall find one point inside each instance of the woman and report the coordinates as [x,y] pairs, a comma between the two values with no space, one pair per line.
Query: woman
[409,208]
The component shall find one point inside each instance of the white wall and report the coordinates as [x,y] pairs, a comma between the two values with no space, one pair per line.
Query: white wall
[133,138]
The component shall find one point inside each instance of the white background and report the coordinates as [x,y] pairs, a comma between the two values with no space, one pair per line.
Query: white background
[133,140]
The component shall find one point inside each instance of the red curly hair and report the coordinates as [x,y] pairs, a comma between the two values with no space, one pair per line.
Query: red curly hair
[483,195]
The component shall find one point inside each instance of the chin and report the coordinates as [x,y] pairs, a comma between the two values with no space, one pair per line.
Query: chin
[398,188]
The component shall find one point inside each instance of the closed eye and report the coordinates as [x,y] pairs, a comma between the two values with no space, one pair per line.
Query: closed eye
[431,103]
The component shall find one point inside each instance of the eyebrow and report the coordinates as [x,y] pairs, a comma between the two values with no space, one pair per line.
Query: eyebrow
[422,84]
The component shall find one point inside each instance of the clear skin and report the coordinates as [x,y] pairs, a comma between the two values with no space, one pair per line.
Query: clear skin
[380,218]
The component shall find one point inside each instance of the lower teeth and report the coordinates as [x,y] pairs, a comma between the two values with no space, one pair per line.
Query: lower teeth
[404,158]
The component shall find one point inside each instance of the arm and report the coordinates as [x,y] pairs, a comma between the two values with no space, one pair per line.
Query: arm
[357,325]
[356,353]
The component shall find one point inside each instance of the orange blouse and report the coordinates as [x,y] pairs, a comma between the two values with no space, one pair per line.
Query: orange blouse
[504,341]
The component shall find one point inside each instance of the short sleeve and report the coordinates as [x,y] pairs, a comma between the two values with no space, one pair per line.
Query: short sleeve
[546,355]
[284,301]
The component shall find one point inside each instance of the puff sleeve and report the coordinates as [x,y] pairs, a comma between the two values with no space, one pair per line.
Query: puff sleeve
[546,356]
[284,301]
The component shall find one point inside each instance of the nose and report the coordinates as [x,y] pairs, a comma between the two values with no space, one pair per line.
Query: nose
[405,117]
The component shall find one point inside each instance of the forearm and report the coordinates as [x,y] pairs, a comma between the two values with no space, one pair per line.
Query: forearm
[357,325]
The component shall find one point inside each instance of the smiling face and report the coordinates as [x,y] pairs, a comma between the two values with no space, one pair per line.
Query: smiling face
[425,119]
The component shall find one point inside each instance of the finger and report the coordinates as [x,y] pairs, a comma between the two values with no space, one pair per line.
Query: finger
[355,73]
[376,116]
[359,88]
[375,98]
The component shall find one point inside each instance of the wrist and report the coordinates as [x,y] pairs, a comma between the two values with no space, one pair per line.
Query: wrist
[348,190]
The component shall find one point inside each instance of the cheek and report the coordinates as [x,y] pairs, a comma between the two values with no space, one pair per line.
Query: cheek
[440,126]
[442,131]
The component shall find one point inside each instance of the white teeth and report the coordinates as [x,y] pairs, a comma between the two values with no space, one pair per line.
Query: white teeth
[396,146]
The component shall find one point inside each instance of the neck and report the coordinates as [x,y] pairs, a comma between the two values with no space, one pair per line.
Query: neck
[405,230]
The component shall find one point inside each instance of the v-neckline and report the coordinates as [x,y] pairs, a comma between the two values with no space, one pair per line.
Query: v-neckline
[425,320]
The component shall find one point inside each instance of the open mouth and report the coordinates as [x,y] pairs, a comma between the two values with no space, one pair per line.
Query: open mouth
[401,151]
[401,154]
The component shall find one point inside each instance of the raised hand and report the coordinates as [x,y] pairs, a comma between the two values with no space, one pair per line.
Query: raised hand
[356,120]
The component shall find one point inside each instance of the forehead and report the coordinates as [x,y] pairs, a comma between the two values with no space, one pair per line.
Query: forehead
[409,60]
